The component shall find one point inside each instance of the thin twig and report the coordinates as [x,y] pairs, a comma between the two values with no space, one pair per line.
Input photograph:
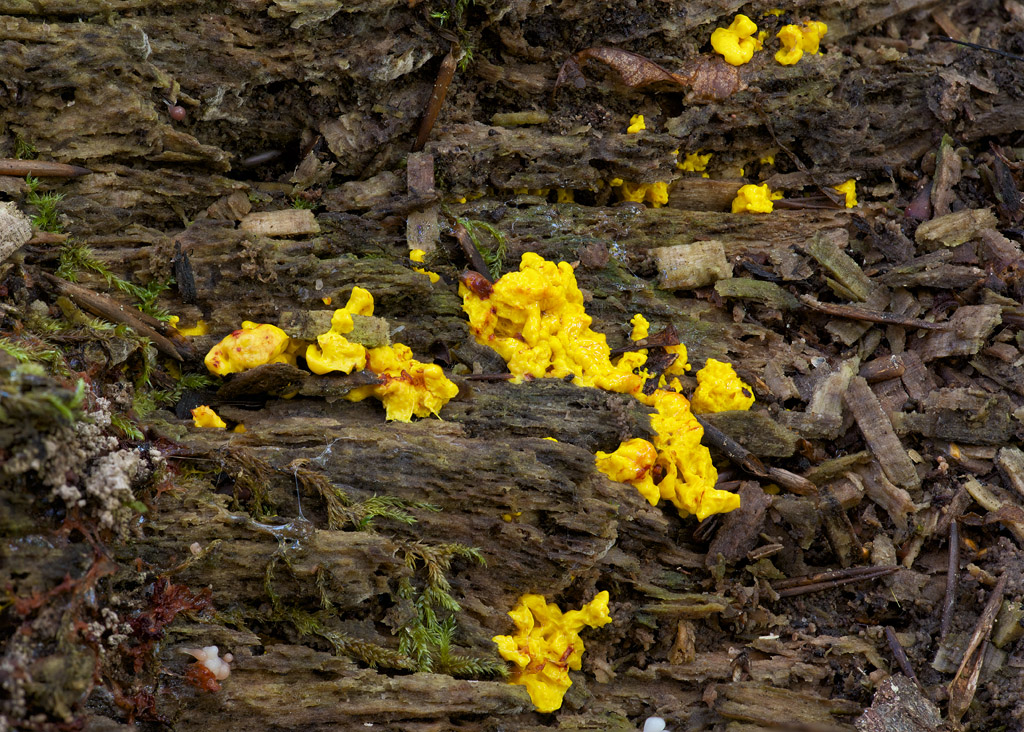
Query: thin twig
[40,169]
[117,312]
[828,580]
[469,249]
[952,579]
[979,47]
[965,683]
[437,95]
[900,655]
[852,312]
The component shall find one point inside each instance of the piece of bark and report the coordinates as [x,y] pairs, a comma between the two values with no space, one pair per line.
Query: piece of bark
[1006,374]
[899,705]
[703,194]
[955,228]
[827,402]
[780,385]
[948,168]
[422,230]
[879,434]
[420,174]
[782,708]
[894,500]
[964,684]
[688,266]
[932,270]
[284,222]
[968,329]
[1010,461]
[756,431]
[812,426]
[15,230]
[993,500]
[233,207]
[766,293]
[919,381]
[838,527]
[739,531]
[971,416]
[882,368]
[852,281]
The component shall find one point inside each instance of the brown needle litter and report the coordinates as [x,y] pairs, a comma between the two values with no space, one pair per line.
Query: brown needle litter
[828,580]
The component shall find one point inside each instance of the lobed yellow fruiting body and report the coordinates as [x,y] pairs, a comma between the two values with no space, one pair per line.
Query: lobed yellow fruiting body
[535,320]
[417,255]
[849,189]
[641,328]
[547,644]
[720,389]
[204,416]
[735,43]
[332,350]
[755,199]
[797,41]
[253,345]
[408,387]
[199,329]
[636,124]
[695,163]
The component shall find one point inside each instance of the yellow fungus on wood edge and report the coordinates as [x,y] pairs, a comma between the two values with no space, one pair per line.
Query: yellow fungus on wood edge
[735,43]
[719,389]
[547,644]
[204,416]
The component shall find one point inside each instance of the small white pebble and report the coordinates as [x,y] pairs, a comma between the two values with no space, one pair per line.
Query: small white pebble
[654,724]
[196,548]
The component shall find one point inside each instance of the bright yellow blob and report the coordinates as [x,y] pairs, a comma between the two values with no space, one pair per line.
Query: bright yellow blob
[719,389]
[417,255]
[848,189]
[204,416]
[564,195]
[534,319]
[695,163]
[797,41]
[547,644]
[735,43]
[253,345]
[641,328]
[199,329]
[756,199]
[409,387]
[332,350]
[636,124]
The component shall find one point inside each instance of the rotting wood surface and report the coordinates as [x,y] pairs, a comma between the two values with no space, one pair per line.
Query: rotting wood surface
[313,103]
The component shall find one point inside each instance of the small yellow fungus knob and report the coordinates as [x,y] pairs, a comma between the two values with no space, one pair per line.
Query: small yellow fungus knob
[417,255]
[636,124]
[797,41]
[735,43]
[756,199]
[695,163]
[204,416]
[641,328]
[251,346]
[632,463]
[199,329]
[719,389]
[849,189]
[547,644]
[333,351]
[409,387]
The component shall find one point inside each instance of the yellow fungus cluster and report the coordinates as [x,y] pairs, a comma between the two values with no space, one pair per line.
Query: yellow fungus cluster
[535,320]
[695,163]
[675,466]
[204,416]
[636,124]
[655,193]
[547,644]
[332,350]
[254,344]
[641,328]
[736,43]
[408,388]
[719,389]
[849,189]
[417,255]
[199,329]
[756,199]
[796,41]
